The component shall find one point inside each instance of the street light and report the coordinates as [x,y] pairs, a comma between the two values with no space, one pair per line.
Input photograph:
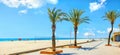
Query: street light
[119,27]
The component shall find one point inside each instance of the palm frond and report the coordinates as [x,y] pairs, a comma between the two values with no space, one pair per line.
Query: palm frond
[112,16]
[84,20]
[50,14]
[75,17]
[55,14]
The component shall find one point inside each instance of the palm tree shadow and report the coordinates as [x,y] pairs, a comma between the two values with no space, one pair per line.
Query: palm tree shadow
[67,54]
[91,48]
[88,48]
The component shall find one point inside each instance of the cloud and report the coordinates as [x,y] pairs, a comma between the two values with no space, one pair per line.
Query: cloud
[95,5]
[114,29]
[27,3]
[22,11]
[11,3]
[118,9]
[89,34]
[73,32]
[52,1]
[101,32]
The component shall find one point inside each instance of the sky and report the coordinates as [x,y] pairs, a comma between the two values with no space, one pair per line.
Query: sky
[29,18]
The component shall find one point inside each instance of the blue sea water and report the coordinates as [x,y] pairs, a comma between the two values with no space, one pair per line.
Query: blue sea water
[16,39]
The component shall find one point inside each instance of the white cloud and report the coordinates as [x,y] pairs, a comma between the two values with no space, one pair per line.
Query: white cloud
[73,32]
[95,5]
[32,3]
[52,1]
[27,3]
[89,34]
[118,9]
[11,3]
[114,29]
[22,11]
[101,32]
[102,1]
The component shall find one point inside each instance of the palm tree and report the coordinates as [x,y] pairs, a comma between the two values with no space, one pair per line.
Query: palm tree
[74,17]
[54,15]
[111,16]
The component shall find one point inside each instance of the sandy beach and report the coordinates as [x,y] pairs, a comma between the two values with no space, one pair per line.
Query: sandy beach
[11,47]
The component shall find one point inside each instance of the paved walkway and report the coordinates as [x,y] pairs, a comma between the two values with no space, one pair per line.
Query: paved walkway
[93,48]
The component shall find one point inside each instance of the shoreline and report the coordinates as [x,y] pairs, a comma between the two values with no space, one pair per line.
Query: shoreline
[37,39]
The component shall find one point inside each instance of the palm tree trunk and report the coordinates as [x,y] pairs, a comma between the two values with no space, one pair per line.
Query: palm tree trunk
[75,33]
[53,37]
[110,33]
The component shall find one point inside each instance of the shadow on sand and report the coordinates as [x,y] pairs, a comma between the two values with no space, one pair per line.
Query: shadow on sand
[67,54]
[90,48]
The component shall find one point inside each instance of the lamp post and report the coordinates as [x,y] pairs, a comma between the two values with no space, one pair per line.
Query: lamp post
[119,27]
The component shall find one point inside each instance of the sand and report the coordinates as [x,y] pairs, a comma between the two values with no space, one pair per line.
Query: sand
[11,47]
[93,48]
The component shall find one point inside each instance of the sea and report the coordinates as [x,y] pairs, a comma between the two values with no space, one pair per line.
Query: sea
[24,39]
